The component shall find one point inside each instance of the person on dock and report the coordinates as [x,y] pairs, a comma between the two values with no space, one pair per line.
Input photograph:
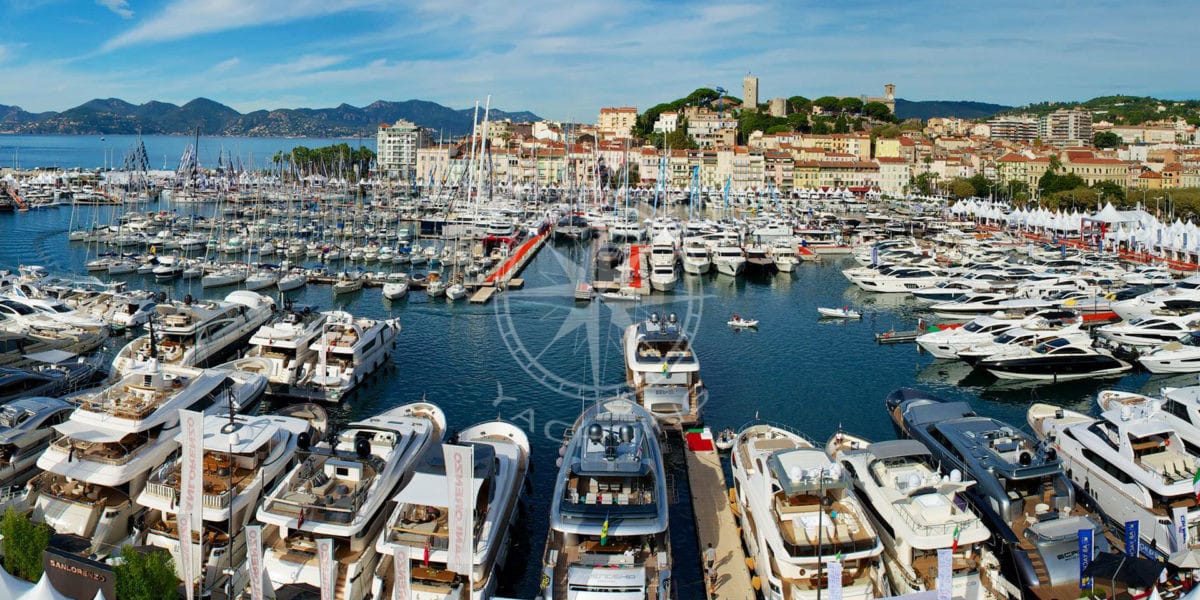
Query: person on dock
[710,567]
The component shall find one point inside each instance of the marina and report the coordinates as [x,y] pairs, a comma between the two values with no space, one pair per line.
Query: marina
[555,327]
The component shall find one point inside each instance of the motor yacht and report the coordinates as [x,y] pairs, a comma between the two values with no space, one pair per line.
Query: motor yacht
[280,349]
[797,510]
[974,304]
[947,343]
[1183,294]
[608,256]
[25,346]
[54,380]
[420,519]
[663,252]
[195,333]
[917,511]
[223,277]
[1021,490]
[697,259]
[1059,359]
[343,355]
[340,491]
[52,309]
[1182,356]
[663,278]
[899,280]
[243,455]
[783,255]
[25,432]
[105,451]
[662,369]
[729,260]
[608,533]
[1133,466]
[1151,329]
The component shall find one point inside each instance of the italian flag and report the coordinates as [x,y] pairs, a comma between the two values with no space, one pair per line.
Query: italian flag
[1196,484]
[954,545]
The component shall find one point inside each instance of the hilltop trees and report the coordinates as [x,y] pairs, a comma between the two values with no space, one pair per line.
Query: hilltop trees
[1106,139]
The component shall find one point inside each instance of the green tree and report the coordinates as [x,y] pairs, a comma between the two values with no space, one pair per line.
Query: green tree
[878,111]
[146,575]
[828,103]
[800,104]
[850,105]
[925,183]
[1016,190]
[1051,182]
[962,187]
[841,125]
[799,121]
[1106,139]
[1111,191]
[678,139]
[982,185]
[24,543]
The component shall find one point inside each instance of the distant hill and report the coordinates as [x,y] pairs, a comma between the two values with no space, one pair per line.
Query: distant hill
[1122,110]
[963,109]
[116,116]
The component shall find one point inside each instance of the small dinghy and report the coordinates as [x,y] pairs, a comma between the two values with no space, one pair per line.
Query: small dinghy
[740,322]
[725,439]
[839,313]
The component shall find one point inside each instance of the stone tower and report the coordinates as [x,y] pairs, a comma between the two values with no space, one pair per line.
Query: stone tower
[750,93]
[889,96]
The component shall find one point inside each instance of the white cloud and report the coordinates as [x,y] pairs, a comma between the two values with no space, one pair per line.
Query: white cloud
[226,65]
[118,7]
[185,18]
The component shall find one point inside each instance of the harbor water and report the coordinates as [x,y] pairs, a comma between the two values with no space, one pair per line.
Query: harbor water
[163,151]
[535,357]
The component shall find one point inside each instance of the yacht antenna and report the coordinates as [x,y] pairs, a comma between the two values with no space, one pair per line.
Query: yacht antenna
[153,348]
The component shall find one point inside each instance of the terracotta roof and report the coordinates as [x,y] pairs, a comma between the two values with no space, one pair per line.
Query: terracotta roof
[1149,175]
[1012,157]
[895,160]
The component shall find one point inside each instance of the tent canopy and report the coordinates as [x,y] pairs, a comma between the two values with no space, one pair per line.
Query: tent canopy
[1133,572]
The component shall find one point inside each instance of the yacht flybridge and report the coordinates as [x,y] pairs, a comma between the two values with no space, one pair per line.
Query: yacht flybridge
[194,333]
[662,369]
[343,355]
[340,491]
[243,455]
[106,450]
[608,536]
[916,511]
[1133,465]
[420,519]
[798,510]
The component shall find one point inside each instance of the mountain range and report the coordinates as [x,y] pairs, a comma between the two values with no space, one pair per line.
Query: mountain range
[115,116]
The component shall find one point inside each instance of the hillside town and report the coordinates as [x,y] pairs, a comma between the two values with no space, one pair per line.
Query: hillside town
[1005,156]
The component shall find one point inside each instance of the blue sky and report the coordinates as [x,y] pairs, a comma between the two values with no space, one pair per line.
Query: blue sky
[564,59]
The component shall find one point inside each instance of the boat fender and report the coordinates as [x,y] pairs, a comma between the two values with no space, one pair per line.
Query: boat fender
[756,583]
[750,564]
[304,440]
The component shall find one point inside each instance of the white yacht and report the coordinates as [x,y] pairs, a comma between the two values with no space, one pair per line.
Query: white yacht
[898,280]
[977,303]
[197,332]
[798,510]
[947,343]
[25,431]
[420,518]
[662,368]
[243,455]
[697,260]
[663,278]
[917,511]
[1183,294]
[107,448]
[783,253]
[1151,329]
[279,349]
[1174,357]
[347,350]
[663,252]
[729,260]
[54,310]
[1132,465]
[340,492]
[608,537]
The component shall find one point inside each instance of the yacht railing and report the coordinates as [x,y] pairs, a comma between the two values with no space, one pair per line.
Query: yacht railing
[941,528]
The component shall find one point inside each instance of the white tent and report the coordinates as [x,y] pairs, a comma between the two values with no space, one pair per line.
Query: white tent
[11,586]
[99,595]
[43,591]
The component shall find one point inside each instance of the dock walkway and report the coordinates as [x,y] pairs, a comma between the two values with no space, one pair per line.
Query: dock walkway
[716,525]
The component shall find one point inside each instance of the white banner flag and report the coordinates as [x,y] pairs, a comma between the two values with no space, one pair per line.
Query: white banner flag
[191,478]
[402,588]
[326,565]
[945,574]
[254,552]
[184,521]
[834,571]
[460,471]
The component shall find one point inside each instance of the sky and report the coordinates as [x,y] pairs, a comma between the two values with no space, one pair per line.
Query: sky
[564,59]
